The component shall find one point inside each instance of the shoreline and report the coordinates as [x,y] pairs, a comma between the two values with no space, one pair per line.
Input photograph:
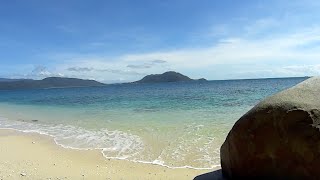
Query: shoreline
[214,167]
[27,122]
[36,156]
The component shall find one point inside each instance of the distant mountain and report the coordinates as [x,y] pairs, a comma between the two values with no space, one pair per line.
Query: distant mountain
[10,80]
[50,82]
[169,76]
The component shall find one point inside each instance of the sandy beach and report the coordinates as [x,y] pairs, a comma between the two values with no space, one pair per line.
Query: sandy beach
[34,156]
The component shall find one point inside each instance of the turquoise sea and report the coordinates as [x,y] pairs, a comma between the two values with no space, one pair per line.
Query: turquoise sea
[171,124]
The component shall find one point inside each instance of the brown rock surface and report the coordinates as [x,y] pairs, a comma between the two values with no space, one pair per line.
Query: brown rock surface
[279,138]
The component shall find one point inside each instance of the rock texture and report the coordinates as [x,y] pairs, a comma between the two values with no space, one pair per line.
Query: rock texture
[279,138]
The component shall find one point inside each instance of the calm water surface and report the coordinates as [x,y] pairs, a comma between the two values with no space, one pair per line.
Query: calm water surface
[170,124]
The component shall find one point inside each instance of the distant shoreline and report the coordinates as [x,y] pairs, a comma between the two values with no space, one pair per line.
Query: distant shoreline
[135,83]
[65,82]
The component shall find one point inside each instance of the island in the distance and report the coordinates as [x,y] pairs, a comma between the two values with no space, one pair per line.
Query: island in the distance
[50,82]
[169,76]
[63,82]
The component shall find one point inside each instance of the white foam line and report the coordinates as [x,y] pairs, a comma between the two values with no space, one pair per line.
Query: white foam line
[155,162]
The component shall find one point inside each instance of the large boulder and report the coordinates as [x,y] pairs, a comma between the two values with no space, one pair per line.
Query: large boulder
[279,138]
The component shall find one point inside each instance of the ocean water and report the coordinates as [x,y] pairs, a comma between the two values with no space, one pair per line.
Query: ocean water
[176,125]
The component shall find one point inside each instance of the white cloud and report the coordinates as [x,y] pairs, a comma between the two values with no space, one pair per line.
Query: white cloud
[301,70]
[242,50]
[261,25]
[269,71]
[42,72]
[114,71]
[148,64]
[288,53]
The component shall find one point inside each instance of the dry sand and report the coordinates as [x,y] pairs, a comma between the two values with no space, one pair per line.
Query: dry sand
[34,156]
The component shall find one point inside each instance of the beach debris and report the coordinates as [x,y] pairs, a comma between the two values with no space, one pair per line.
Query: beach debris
[33,142]
[23,174]
[34,120]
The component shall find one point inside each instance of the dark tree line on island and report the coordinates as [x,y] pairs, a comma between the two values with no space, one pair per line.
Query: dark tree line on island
[62,82]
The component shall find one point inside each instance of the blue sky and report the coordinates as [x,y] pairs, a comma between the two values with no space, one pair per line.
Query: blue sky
[120,41]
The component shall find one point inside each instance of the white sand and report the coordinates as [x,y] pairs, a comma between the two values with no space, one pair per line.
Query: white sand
[34,156]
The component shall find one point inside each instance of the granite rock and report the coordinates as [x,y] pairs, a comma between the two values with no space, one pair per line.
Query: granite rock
[279,138]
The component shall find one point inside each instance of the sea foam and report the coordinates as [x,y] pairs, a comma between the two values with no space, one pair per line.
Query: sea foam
[117,143]
[114,144]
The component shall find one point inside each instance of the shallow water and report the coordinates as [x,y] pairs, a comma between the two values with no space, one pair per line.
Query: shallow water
[170,124]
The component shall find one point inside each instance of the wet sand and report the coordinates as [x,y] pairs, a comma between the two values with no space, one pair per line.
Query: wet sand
[34,156]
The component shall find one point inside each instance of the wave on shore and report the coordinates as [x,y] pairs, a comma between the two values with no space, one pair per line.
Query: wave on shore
[113,144]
